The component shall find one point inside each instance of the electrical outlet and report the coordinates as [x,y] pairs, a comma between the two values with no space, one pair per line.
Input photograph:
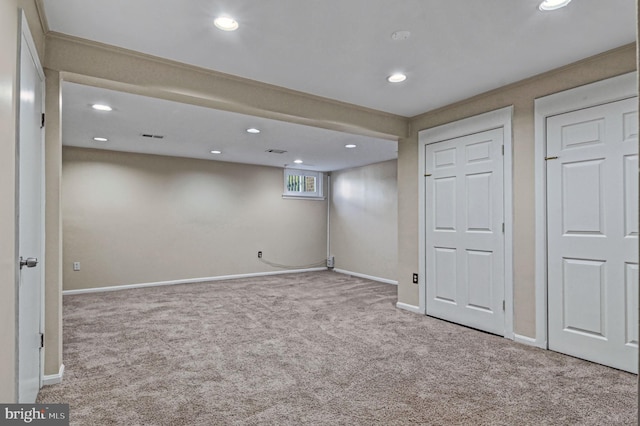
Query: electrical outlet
[259,255]
[76,266]
[415,278]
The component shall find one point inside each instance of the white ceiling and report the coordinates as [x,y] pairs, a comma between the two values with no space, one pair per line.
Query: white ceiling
[343,50]
[193,131]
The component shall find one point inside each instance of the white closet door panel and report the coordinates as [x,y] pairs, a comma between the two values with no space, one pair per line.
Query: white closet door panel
[463,221]
[592,230]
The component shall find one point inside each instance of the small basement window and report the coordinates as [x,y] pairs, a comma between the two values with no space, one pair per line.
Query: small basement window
[303,184]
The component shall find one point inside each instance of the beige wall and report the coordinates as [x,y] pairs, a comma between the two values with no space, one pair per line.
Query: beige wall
[9,18]
[364,217]
[133,218]
[53,226]
[408,219]
[521,96]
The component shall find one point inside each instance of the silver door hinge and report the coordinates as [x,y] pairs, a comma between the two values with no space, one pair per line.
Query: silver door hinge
[502,149]
[504,306]
[41,340]
[503,227]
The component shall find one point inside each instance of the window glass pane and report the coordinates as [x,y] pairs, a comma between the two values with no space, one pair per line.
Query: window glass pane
[294,184]
[310,184]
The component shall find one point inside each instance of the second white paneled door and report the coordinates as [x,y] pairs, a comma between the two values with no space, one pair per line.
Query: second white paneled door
[464,221]
[592,221]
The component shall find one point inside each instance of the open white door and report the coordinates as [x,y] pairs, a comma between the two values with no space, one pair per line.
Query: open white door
[30,220]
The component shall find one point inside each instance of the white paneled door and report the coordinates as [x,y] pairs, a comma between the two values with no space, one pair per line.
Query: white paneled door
[592,233]
[465,231]
[30,221]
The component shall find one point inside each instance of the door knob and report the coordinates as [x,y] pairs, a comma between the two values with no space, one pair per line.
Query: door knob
[30,262]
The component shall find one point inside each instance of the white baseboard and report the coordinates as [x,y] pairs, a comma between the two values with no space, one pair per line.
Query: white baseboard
[368,277]
[530,341]
[187,281]
[53,379]
[410,308]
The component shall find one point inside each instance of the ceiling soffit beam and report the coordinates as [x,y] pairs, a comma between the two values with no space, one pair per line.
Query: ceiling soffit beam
[86,62]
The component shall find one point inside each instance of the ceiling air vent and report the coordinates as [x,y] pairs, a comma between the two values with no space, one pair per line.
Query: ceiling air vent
[276,151]
[149,135]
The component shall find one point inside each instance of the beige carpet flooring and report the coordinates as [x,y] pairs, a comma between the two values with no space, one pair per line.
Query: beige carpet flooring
[311,349]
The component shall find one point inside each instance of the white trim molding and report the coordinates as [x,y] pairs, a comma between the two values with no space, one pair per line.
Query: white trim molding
[529,341]
[602,92]
[501,118]
[53,379]
[410,308]
[365,276]
[186,281]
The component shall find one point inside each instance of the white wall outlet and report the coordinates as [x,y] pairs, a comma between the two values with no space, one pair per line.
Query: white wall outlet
[76,266]
[331,261]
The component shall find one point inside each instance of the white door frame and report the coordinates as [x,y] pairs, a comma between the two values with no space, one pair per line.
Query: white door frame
[488,121]
[27,43]
[601,92]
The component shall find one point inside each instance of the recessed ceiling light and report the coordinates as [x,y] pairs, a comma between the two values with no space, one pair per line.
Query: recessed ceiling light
[100,139]
[396,78]
[216,152]
[253,130]
[350,146]
[226,23]
[553,4]
[101,107]
[297,161]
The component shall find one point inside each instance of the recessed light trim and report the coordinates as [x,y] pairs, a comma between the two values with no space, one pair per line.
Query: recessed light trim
[400,35]
[99,139]
[101,107]
[298,161]
[215,151]
[547,5]
[350,146]
[253,130]
[397,77]
[225,23]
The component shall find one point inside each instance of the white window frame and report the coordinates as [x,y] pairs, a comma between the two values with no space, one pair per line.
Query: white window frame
[318,194]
